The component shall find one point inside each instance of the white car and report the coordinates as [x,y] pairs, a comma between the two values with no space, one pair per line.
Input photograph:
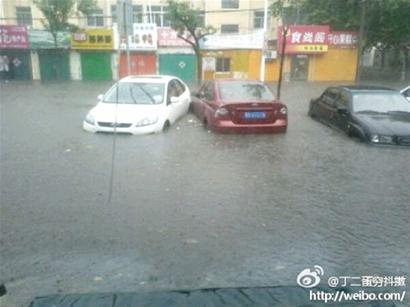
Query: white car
[139,105]
[406,92]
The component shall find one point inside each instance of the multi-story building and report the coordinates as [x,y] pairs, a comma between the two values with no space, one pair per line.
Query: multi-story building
[239,48]
[226,16]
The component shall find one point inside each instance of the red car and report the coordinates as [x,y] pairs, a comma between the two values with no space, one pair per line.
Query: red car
[239,106]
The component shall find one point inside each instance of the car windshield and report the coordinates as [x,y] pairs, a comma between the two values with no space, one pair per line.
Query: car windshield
[244,91]
[135,93]
[380,103]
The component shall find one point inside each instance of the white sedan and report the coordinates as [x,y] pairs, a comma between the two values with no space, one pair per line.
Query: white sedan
[139,105]
[406,92]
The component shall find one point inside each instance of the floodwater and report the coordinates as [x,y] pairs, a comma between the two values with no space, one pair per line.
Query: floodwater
[190,209]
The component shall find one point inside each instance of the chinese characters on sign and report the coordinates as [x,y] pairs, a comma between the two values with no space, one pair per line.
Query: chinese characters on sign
[315,39]
[305,39]
[168,37]
[342,39]
[233,41]
[13,37]
[144,37]
[98,39]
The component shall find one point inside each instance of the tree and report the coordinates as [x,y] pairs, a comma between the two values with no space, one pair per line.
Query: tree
[288,14]
[58,12]
[186,21]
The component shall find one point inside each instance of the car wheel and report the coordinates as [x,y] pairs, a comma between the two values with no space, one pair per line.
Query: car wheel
[350,132]
[166,126]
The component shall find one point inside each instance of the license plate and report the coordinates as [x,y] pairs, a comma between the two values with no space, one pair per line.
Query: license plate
[254,115]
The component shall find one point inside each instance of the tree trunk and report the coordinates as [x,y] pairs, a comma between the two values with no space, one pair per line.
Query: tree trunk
[282,60]
[198,66]
[360,43]
[54,34]
[403,64]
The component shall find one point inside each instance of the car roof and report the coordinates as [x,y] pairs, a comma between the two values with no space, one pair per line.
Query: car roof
[237,80]
[148,78]
[365,88]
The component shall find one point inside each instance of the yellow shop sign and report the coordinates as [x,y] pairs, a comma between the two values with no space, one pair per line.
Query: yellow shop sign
[100,39]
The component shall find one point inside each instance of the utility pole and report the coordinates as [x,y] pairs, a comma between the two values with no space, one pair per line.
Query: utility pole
[265,28]
[126,22]
[360,43]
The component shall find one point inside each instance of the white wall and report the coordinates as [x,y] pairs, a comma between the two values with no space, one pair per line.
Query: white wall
[35,65]
[75,65]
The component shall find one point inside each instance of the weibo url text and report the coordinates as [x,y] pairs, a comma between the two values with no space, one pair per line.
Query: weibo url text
[341,296]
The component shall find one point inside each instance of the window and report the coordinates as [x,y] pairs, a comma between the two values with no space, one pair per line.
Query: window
[229,28]
[201,18]
[96,18]
[223,64]
[137,14]
[114,13]
[230,4]
[180,87]
[207,91]
[23,15]
[244,90]
[330,97]
[135,93]
[172,90]
[258,19]
[159,15]
[343,101]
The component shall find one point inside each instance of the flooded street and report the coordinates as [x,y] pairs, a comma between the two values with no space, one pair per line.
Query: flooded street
[190,209]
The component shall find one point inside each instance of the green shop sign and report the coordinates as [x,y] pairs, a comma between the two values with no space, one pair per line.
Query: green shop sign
[41,39]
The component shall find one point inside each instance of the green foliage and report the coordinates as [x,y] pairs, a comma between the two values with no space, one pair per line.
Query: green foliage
[57,13]
[388,24]
[185,20]
[86,6]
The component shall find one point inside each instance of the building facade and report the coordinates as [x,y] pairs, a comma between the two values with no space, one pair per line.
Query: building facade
[238,49]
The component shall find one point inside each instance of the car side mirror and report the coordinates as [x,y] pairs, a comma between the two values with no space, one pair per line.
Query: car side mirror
[198,94]
[100,97]
[342,111]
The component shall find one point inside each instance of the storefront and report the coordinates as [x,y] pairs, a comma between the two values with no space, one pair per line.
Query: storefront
[15,61]
[235,56]
[142,45]
[53,60]
[95,49]
[176,56]
[315,53]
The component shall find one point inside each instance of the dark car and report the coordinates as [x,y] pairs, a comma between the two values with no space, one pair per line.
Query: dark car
[239,106]
[406,92]
[374,114]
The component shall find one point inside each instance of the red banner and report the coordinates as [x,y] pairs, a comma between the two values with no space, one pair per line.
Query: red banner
[168,37]
[13,37]
[302,39]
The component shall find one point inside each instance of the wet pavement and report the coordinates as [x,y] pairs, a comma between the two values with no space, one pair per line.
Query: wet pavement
[190,209]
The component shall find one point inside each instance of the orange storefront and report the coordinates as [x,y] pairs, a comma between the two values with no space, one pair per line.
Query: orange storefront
[315,53]
[140,64]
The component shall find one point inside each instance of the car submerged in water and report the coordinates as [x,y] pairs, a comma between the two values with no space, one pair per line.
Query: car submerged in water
[239,106]
[376,115]
[139,105]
